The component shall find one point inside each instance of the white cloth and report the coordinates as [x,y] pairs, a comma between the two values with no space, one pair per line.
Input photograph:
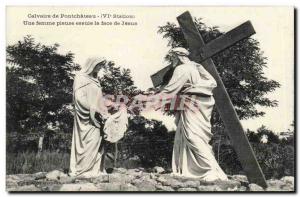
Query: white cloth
[192,154]
[116,125]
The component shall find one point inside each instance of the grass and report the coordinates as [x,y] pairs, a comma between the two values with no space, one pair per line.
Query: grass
[29,162]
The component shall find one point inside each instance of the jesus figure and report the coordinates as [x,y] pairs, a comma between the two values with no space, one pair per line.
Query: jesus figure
[192,154]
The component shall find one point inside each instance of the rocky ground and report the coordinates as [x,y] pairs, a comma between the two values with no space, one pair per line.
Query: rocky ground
[136,180]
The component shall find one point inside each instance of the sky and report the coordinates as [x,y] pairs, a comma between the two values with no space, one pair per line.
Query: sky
[141,49]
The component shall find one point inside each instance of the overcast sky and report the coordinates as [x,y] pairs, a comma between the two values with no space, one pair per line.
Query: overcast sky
[142,49]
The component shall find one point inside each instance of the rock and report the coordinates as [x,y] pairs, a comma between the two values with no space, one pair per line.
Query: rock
[104,178]
[279,185]
[78,187]
[120,170]
[254,187]
[55,175]
[228,184]
[108,187]
[288,179]
[160,187]
[144,184]
[12,181]
[242,189]
[136,180]
[67,179]
[233,189]
[134,173]
[184,179]
[116,178]
[159,170]
[20,177]
[128,187]
[205,183]
[153,176]
[209,188]
[26,188]
[39,175]
[161,179]
[275,185]
[187,189]
[238,177]
[11,184]
[51,188]
[120,178]
[20,180]
[168,180]
[13,178]
[191,184]
[140,169]
[287,187]
[225,185]
[173,183]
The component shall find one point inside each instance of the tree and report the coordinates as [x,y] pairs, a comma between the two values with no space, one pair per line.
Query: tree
[117,81]
[240,67]
[272,137]
[39,87]
[263,131]
[150,141]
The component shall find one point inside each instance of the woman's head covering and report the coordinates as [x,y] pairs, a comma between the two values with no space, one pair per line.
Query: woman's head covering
[90,64]
[82,77]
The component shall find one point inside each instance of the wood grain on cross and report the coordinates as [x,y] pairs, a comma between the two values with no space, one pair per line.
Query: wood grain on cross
[202,53]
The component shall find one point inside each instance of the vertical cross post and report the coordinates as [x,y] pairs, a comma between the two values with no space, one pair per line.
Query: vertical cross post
[224,105]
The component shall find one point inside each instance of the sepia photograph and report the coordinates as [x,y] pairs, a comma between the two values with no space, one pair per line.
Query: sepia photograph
[164,99]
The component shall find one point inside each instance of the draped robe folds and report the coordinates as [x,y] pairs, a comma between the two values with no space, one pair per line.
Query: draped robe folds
[192,154]
[87,152]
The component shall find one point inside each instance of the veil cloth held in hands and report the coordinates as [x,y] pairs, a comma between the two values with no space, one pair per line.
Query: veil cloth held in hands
[116,125]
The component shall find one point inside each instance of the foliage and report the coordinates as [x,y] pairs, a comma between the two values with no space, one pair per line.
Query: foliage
[263,130]
[276,156]
[149,140]
[151,143]
[53,142]
[39,87]
[117,81]
[27,162]
[276,160]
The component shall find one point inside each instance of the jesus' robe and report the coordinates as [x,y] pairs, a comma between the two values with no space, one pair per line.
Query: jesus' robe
[87,152]
[192,154]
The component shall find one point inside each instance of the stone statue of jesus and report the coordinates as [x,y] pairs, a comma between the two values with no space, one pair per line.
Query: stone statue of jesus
[192,155]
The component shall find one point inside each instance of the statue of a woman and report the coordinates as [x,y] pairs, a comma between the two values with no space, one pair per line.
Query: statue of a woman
[87,152]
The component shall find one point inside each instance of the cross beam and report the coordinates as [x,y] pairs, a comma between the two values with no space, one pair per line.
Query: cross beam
[219,44]
[224,105]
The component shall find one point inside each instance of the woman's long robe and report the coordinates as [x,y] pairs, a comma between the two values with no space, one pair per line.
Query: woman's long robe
[192,153]
[87,152]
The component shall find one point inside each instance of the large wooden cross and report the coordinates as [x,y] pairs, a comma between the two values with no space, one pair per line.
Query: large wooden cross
[202,53]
